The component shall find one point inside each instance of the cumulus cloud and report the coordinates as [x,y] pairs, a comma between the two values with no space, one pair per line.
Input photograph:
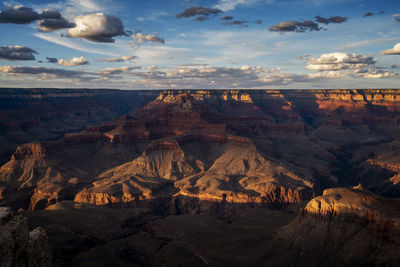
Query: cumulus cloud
[76,61]
[203,76]
[339,61]
[97,27]
[17,53]
[295,26]
[343,65]
[368,73]
[369,14]
[18,15]
[235,22]
[119,59]
[52,21]
[334,19]
[373,74]
[141,38]
[394,51]
[201,13]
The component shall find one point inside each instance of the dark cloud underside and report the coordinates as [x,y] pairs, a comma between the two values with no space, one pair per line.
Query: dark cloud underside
[58,73]
[18,15]
[295,26]
[201,13]
[17,53]
[334,19]
[52,20]
[51,60]
[235,22]
[227,18]
[49,20]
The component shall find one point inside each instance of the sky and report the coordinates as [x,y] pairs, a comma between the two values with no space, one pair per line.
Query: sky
[200,44]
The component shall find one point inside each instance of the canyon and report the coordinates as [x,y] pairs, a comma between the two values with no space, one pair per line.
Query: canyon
[172,177]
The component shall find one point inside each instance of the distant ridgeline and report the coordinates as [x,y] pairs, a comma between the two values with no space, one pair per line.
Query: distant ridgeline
[195,148]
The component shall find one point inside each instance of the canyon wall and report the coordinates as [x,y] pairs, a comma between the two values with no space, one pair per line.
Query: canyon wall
[252,147]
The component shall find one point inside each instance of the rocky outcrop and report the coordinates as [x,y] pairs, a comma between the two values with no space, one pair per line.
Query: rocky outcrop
[342,227]
[23,176]
[18,246]
[381,214]
[24,165]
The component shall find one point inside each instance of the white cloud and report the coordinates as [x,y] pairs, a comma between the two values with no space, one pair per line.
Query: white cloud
[86,5]
[76,61]
[339,61]
[228,5]
[394,51]
[330,75]
[73,8]
[141,38]
[343,65]
[97,27]
[214,77]
[374,74]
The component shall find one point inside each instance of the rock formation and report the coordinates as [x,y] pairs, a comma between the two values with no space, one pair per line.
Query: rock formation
[207,156]
[342,227]
[18,246]
[266,148]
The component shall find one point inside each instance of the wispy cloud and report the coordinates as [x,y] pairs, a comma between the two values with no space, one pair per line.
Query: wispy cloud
[118,59]
[364,43]
[67,42]
[228,5]
[73,8]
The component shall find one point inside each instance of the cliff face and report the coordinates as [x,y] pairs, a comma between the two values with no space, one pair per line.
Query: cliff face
[345,226]
[19,247]
[29,115]
[271,147]
[188,156]
[338,203]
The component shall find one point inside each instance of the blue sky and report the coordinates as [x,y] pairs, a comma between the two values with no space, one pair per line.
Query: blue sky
[184,44]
